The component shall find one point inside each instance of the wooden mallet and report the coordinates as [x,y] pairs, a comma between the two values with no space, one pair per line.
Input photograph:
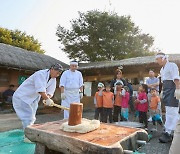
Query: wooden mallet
[75,115]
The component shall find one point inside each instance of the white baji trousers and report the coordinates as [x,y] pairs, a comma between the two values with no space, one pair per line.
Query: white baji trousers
[172,117]
[25,112]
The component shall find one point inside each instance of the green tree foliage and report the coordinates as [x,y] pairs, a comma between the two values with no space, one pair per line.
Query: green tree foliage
[20,39]
[98,36]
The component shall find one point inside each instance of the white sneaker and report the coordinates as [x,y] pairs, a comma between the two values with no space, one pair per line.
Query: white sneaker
[150,119]
[153,130]
[146,129]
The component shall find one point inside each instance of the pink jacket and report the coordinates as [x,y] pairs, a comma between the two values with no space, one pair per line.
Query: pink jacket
[125,100]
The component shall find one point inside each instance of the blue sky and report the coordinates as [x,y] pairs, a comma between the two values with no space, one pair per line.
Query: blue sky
[13,12]
[159,18]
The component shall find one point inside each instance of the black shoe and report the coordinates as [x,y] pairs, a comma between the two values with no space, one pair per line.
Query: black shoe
[154,122]
[160,122]
[165,138]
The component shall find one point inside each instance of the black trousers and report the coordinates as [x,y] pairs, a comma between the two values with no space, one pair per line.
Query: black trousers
[169,88]
[117,113]
[143,118]
[107,114]
[99,113]
[131,104]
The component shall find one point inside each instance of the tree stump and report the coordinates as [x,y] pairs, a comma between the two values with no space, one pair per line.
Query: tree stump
[75,114]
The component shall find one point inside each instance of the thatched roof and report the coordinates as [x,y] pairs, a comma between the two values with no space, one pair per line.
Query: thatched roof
[127,62]
[17,58]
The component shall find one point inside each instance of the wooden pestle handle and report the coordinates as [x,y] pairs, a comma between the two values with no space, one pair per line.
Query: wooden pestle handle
[58,106]
[61,107]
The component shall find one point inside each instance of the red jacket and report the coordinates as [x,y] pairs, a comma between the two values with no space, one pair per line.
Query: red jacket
[143,107]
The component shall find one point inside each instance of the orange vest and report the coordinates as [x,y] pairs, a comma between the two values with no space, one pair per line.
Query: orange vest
[154,102]
[108,99]
[99,100]
[118,99]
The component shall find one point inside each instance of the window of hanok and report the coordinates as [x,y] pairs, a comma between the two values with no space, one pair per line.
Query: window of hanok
[4,79]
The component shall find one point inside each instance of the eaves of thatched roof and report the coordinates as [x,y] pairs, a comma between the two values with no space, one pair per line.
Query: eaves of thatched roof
[17,58]
[126,62]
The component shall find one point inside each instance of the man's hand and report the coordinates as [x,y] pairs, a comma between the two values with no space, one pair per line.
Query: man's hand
[63,97]
[150,85]
[177,93]
[102,88]
[81,95]
[48,102]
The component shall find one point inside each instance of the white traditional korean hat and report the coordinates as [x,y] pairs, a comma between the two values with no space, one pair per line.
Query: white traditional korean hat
[100,84]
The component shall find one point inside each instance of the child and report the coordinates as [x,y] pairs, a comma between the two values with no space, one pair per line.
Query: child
[155,107]
[125,103]
[108,101]
[117,102]
[98,101]
[136,115]
[143,104]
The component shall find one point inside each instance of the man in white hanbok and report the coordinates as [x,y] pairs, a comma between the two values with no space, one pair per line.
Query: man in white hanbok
[71,84]
[40,84]
[170,78]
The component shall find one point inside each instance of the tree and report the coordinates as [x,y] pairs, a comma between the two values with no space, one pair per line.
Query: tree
[98,36]
[20,39]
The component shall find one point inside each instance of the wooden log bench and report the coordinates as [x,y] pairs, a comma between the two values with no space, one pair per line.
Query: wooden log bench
[108,139]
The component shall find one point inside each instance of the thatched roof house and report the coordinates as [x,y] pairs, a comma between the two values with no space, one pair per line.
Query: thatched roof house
[16,58]
[127,62]
[17,64]
[132,67]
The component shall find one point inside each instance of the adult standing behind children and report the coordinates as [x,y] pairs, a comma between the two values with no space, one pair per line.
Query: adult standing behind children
[118,78]
[98,101]
[108,101]
[71,84]
[152,82]
[170,78]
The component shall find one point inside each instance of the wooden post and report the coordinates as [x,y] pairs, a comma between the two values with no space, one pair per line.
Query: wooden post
[75,114]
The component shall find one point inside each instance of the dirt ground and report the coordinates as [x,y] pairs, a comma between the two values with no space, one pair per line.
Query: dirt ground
[10,121]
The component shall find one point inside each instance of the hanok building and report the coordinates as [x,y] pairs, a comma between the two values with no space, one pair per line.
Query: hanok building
[135,69]
[17,64]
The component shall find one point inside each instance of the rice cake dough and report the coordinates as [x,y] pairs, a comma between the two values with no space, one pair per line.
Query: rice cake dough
[85,126]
